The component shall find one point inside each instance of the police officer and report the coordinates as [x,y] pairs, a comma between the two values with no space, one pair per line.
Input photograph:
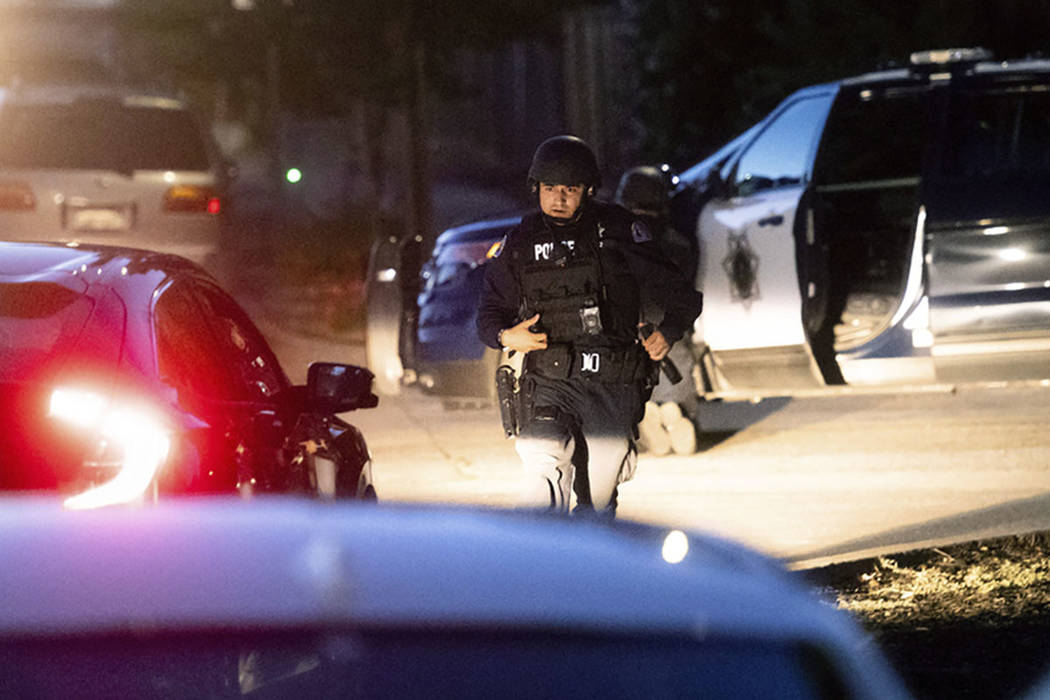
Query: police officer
[648,192]
[567,289]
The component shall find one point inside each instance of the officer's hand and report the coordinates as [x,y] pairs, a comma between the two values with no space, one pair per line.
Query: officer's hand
[656,345]
[520,338]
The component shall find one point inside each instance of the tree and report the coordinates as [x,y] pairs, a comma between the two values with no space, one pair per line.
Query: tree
[336,56]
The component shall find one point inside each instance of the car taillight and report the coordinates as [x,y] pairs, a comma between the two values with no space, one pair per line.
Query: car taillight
[16,196]
[192,198]
[128,439]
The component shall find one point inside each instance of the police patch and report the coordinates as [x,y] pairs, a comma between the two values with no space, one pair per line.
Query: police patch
[497,248]
[640,232]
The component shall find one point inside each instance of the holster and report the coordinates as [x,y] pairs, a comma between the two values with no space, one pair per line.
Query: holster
[508,392]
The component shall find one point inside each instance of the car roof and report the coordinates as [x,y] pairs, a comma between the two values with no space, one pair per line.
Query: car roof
[122,282]
[972,70]
[286,561]
[94,264]
[290,563]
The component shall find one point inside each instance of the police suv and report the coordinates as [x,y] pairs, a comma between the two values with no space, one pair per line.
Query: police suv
[891,229]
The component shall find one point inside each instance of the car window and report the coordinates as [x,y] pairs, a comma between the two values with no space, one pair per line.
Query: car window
[695,174]
[186,349]
[997,133]
[780,154]
[241,348]
[100,134]
[37,319]
[874,138]
[416,663]
[995,159]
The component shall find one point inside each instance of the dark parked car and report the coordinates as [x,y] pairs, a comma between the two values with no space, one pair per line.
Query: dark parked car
[449,358]
[128,375]
[886,230]
[291,599]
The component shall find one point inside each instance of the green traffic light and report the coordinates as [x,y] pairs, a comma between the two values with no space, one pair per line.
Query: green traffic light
[293,175]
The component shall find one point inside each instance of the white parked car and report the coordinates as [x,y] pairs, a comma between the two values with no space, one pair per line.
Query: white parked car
[108,164]
[279,597]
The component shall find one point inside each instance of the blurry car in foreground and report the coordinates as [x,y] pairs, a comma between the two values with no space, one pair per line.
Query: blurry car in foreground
[284,598]
[449,358]
[108,164]
[127,375]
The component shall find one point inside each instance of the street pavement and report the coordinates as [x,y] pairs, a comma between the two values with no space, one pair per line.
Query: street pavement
[813,482]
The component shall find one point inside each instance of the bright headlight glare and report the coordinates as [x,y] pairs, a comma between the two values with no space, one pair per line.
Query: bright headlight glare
[138,434]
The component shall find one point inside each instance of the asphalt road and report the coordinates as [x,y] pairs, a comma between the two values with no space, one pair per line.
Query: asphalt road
[812,481]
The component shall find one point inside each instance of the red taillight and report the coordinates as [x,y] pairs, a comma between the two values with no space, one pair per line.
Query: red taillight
[191,198]
[16,196]
[131,439]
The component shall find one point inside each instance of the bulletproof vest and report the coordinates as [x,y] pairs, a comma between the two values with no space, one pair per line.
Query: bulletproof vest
[566,290]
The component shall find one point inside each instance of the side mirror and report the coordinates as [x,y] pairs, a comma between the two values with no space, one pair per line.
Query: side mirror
[335,388]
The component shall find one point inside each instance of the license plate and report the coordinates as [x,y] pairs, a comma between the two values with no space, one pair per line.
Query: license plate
[99,219]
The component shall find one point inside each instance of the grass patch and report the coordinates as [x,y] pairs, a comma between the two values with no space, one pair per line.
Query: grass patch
[968,621]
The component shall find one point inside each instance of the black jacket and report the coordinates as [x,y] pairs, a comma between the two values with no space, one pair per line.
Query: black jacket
[636,275]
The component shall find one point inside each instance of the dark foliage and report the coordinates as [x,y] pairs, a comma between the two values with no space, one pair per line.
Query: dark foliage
[711,69]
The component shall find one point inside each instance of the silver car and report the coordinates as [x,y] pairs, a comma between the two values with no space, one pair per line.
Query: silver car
[107,164]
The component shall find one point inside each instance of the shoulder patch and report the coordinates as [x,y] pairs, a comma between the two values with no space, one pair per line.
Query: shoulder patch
[497,248]
[640,232]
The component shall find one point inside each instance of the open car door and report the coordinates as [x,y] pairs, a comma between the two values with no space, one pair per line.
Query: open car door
[750,242]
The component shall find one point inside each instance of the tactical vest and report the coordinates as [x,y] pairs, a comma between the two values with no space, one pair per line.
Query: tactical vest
[567,291]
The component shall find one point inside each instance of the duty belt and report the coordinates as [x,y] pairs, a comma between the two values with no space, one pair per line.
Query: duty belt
[565,361]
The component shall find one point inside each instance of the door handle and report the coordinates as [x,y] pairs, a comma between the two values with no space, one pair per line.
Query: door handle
[771,220]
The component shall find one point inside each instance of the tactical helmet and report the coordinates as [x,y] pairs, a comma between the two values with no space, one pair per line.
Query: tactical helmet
[564,160]
[645,188]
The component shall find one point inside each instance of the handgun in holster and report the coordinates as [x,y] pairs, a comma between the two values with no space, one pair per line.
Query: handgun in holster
[508,391]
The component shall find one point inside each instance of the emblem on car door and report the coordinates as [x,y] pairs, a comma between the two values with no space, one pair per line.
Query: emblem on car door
[741,265]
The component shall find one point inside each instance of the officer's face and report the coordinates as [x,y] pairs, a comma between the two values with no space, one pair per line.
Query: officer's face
[560,201]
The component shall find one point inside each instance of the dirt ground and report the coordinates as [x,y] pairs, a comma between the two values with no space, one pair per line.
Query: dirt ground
[967,621]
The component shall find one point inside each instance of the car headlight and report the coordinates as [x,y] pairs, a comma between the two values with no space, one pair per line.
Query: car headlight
[130,438]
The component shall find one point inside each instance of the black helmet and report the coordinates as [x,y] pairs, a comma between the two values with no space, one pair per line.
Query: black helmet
[564,160]
[645,187]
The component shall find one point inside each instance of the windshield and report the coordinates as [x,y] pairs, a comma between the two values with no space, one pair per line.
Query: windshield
[100,135]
